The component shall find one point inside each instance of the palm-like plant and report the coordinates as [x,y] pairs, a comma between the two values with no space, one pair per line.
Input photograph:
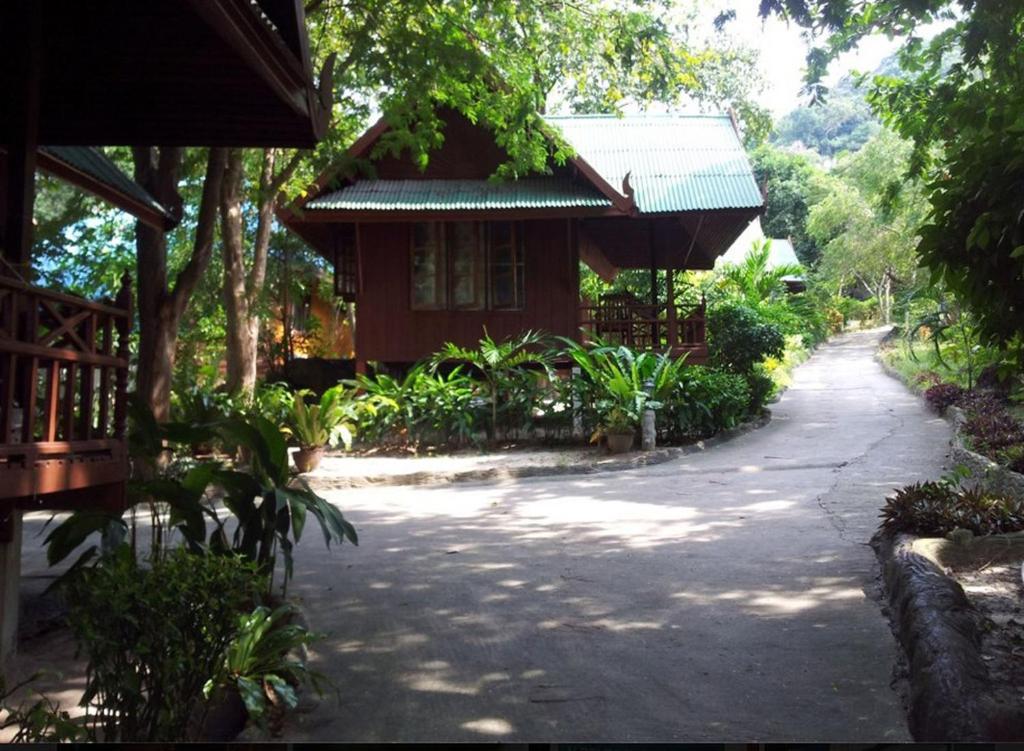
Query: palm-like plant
[500,364]
[326,423]
[755,278]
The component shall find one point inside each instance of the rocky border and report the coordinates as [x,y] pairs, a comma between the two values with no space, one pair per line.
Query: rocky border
[630,461]
[951,695]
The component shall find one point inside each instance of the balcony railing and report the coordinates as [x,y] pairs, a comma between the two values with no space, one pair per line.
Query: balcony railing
[63,396]
[641,326]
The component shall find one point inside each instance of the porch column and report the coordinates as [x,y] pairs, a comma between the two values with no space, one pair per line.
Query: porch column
[24,51]
[670,301]
[10,576]
[655,343]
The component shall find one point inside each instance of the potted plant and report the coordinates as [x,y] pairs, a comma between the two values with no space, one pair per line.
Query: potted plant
[317,426]
[619,429]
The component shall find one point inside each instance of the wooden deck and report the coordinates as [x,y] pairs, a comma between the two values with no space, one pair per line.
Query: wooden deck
[63,398]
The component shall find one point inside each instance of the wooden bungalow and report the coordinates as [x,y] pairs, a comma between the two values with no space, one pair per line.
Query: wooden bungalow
[118,72]
[438,255]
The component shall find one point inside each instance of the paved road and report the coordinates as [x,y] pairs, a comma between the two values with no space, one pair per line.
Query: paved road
[725,596]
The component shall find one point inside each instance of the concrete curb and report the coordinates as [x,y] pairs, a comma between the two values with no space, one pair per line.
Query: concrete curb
[951,697]
[632,461]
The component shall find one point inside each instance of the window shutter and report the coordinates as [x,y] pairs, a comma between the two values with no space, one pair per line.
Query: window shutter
[345,263]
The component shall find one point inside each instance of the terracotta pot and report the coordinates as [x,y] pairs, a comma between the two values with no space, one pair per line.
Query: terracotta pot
[308,459]
[619,443]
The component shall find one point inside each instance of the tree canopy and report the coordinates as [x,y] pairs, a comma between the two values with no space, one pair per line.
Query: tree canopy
[959,103]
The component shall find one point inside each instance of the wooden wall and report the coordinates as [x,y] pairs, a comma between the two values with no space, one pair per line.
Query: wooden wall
[387,330]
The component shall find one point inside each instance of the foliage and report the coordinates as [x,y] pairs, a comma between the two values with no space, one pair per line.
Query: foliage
[326,423]
[793,182]
[739,339]
[942,396]
[938,508]
[264,661]
[268,504]
[39,719]
[506,368]
[152,636]
[959,104]
[867,222]
[704,402]
[424,406]
[844,122]
[754,279]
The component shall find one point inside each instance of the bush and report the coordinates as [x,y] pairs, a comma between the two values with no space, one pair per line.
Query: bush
[942,396]
[739,339]
[993,433]
[154,636]
[762,389]
[938,508]
[704,402]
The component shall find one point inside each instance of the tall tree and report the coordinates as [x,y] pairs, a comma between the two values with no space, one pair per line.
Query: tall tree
[960,103]
[792,182]
[868,223]
[160,304]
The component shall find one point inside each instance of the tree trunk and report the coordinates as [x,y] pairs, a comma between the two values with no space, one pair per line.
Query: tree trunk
[242,289]
[161,308]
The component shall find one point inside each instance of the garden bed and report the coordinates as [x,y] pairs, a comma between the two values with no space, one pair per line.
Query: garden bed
[340,470]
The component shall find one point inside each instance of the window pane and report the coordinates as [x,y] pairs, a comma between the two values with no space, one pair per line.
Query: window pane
[506,267]
[466,258]
[429,274]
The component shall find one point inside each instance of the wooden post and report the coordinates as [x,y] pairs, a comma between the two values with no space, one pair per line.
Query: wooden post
[23,104]
[670,301]
[655,339]
[124,327]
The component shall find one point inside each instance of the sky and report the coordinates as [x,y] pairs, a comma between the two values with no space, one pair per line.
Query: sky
[783,52]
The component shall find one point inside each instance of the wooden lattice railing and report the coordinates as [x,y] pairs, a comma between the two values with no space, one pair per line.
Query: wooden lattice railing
[641,326]
[63,395]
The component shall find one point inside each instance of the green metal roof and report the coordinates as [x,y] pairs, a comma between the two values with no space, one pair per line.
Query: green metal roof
[675,162]
[97,165]
[447,195]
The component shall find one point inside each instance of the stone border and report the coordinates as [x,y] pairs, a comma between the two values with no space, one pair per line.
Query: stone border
[634,460]
[951,697]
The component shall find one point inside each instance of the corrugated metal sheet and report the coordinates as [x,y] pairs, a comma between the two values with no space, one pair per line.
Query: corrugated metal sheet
[446,195]
[675,162]
[98,165]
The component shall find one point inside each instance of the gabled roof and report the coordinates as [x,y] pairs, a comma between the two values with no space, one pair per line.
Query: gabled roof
[781,252]
[636,164]
[673,162]
[420,195]
[92,170]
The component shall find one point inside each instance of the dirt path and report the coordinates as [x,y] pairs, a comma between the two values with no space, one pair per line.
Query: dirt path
[724,596]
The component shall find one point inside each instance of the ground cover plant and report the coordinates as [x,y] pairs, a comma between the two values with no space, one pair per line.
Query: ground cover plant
[938,508]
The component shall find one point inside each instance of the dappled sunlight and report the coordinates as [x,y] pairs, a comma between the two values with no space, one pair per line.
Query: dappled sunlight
[493,726]
[778,600]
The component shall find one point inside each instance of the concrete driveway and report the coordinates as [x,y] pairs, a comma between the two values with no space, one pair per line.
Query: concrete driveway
[726,596]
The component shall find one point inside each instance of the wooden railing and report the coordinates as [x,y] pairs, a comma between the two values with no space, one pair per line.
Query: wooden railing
[63,394]
[648,327]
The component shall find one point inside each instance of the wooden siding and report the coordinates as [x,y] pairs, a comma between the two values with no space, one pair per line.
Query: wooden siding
[388,330]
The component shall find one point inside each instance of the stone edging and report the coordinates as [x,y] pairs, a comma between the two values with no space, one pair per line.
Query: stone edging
[630,461]
[950,693]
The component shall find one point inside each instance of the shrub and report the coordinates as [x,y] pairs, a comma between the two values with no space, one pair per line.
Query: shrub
[938,508]
[738,338]
[704,402]
[942,396]
[154,636]
[991,433]
[762,388]
[926,379]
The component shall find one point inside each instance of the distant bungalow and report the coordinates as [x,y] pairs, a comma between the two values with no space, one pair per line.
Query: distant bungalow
[782,254]
[436,255]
